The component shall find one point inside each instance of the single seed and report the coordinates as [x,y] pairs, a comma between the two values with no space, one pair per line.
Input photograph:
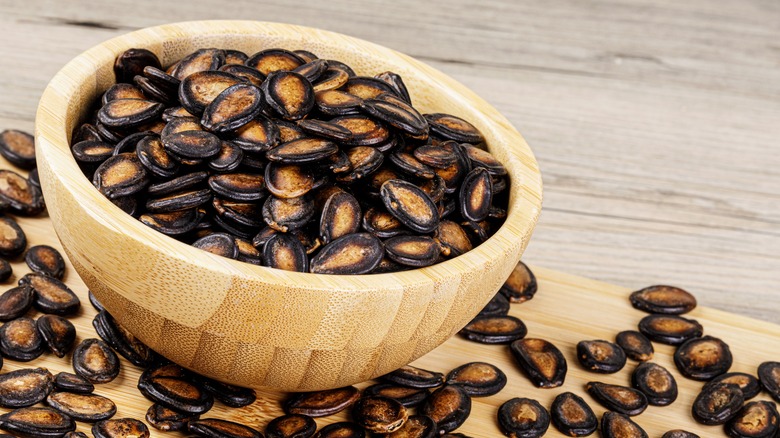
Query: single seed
[120,428]
[498,306]
[601,356]
[618,398]
[82,407]
[121,175]
[172,387]
[18,148]
[21,197]
[20,340]
[523,418]
[25,387]
[769,375]
[617,425]
[72,383]
[678,433]
[322,403]
[121,340]
[38,422]
[410,205]
[414,377]
[635,345]
[212,427]
[572,416]
[656,383]
[703,358]
[132,62]
[166,419]
[494,329]
[449,406]
[663,299]
[748,384]
[291,426]
[95,361]
[51,295]
[58,333]
[416,426]
[341,429]
[199,89]
[541,361]
[454,128]
[356,253]
[379,414]
[521,285]
[417,251]
[409,397]
[669,329]
[45,260]
[756,419]
[15,302]
[128,113]
[478,379]
[717,404]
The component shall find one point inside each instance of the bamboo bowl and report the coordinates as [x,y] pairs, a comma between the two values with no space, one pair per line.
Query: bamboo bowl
[256,326]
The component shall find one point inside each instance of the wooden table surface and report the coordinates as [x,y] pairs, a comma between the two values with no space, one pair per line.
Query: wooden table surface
[656,123]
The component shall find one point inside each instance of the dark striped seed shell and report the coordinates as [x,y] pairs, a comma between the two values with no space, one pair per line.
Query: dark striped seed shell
[232,108]
[541,361]
[58,333]
[449,406]
[166,419]
[82,407]
[703,358]
[121,340]
[21,197]
[669,329]
[120,428]
[287,215]
[20,340]
[18,148]
[356,253]
[199,89]
[655,382]
[284,251]
[171,386]
[494,329]
[757,419]
[70,382]
[289,94]
[668,300]
[95,361]
[523,418]
[221,244]
[51,295]
[291,426]
[769,375]
[132,62]
[717,404]
[454,128]
[379,414]
[497,306]
[478,379]
[304,150]
[129,113]
[601,356]
[617,425]
[618,398]
[25,387]
[572,415]
[521,285]
[416,251]
[121,175]
[15,302]
[410,205]
[341,429]
[270,60]
[13,240]
[37,422]
[322,403]
[635,345]
[341,215]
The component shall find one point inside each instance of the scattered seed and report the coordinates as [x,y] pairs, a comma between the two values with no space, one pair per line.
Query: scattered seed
[120,428]
[756,419]
[51,295]
[20,340]
[45,260]
[449,406]
[172,387]
[15,302]
[25,387]
[601,356]
[617,425]
[678,433]
[572,416]
[521,285]
[635,345]
[523,418]
[212,427]
[414,377]
[38,422]
[416,426]
[478,379]
[769,375]
[341,429]
[229,395]
[703,358]
[18,148]
[379,414]
[291,426]
[73,383]
[494,329]
[82,407]
[6,270]
[717,403]
[618,398]
[409,397]
[669,329]
[655,382]
[58,333]
[166,419]
[121,340]
[22,197]
[322,403]
[541,361]
[748,384]
[668,300]
[95,361]
[498,306]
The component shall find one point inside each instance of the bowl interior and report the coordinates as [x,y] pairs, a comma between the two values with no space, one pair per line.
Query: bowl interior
[200,282]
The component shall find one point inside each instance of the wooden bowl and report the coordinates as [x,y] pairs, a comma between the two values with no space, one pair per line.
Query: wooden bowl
[256,326]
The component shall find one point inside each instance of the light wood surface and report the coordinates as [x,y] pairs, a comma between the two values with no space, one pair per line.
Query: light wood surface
[566,310]
[252,325]
[655,122]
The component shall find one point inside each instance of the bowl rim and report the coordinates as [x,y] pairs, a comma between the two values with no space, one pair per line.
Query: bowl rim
[53,140]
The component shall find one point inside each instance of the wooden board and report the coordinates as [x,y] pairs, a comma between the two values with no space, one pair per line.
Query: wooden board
[567,309]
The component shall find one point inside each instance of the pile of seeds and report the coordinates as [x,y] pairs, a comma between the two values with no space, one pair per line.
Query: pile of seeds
[289,161]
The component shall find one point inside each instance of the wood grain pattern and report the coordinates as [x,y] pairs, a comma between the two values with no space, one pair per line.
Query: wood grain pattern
[252,325]
[566,310]
[654,121]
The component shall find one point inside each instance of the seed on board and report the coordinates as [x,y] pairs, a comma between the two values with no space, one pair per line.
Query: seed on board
[51,295]
[717,403]
[70,382]
[170,386]
[414,377]
[284,251]
[13,240]
[749,385]
[213,427]
[291,426]
[757,419]
[409,397]
[416,426]
[18,147]
[572,416]
[668,300]
[449,406]
[58,333]
[121,175]
[20,340]
[341,429]
[416,251]
[121,340]
[233,108]
[25,387]
[120,428]
[132,62]
[494,329]
[82,407]
[15,302]
[379,414]
[6,270]
[635,345]
[38,422]
[478,379]
[45,260]
[229,395]
[655,382]
[453,128]
[95,361]
[497,306]
[410,205]
[521,285]
[541,361]
[166,419]
[22,197]
[618,398]
[769,375]
[601,356]
[322,403]
[679,433]
[476,195]
[523,418]
[669,329]
[617,425]
[199,89]
[356,253]
[221,244]
[703,358]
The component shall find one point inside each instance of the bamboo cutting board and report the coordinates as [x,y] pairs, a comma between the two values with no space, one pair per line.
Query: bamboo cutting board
[566,309]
